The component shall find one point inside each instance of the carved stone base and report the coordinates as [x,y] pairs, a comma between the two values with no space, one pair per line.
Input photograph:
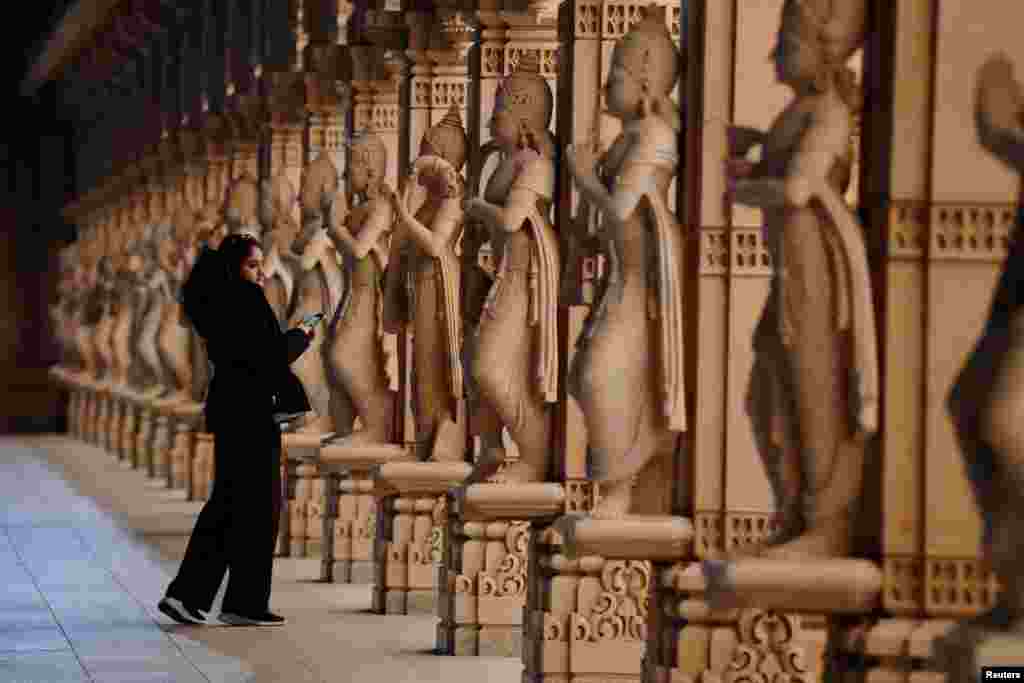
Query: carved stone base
[349,528]
[91,414]
[693,639]
[102,413]
[202,466]
[408,553]
[161,444]
[315,510]
[482,591]
[113,431]
[181,453]
[143,454]
[129,426]
[584,619]
[72,411]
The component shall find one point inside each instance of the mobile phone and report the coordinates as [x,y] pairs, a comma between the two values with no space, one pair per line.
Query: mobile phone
[313,319]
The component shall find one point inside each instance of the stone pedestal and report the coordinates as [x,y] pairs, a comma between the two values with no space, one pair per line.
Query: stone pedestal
[315,510]
[894,649]
[189,418]
[160,446]
[483,583]
[112,434]
[405,568]
[412,527]
[350,527]
[300,486]
[74,406]
[483,588]
[202,467]
[584,618]
[356,558]
[129,425]
[102,417]
[181,453]
[143,455]
[300,453]
[92,413]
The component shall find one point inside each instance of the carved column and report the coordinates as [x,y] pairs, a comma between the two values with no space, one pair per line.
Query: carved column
[942,212]
[214,161]
[483,601]
[283,134]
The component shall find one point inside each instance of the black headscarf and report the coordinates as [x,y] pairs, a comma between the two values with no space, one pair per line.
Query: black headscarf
[213,275]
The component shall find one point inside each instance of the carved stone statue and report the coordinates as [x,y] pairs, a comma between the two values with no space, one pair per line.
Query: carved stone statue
[174,339]
[813,395]
[515,355]
[61,308]
[628,375]
[280,266]
[422,286]
[241,207]
[319,286]
[87,314]
[113,246]
[986,398]
[359,362]
[126,266]
[156,296]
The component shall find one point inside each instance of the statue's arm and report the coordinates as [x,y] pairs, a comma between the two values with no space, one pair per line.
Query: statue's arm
[508,218]
[445,227]
[999,104]
[534,181]
[823,140]
[376,224]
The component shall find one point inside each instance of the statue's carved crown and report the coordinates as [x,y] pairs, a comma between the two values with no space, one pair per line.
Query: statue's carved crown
[525,94]
[448,138]
[648,53]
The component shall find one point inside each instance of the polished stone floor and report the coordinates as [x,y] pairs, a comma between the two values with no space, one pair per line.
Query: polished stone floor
[87,547]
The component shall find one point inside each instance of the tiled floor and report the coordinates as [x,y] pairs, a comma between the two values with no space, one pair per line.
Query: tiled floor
[87,547]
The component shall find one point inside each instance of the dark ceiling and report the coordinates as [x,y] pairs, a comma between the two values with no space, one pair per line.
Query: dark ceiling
[26,38]
[36,146]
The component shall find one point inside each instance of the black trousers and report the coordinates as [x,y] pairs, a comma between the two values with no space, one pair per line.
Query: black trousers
[237,528]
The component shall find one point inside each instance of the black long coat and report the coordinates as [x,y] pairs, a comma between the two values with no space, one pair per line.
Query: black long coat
[249,352]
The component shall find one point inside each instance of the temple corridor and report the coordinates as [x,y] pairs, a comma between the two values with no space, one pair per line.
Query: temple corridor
[86,549]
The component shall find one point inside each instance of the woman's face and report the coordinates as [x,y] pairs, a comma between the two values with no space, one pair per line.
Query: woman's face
[252,266]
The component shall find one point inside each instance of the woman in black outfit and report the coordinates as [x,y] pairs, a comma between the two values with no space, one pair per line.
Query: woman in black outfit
[252,383]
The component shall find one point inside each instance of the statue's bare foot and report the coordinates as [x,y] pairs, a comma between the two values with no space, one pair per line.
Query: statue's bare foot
[487,466]
[827,538]
[519,473]
[361,437]
[616,498]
